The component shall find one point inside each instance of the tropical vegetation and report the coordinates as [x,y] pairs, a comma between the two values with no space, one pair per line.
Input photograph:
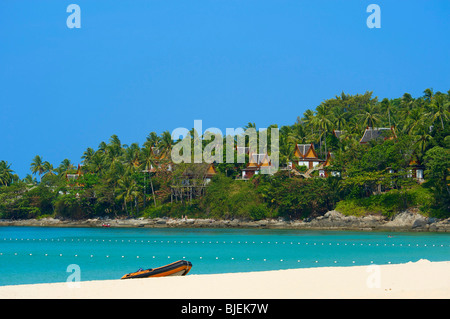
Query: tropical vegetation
[119,180]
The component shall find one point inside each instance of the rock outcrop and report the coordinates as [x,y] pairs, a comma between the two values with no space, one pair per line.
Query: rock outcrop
[332,220]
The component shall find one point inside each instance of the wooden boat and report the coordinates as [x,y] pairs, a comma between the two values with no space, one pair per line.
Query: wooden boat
[178,268]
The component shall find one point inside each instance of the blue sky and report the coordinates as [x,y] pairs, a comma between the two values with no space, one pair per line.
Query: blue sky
[140,66]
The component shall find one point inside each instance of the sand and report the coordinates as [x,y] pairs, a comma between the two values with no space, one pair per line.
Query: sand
[422,279]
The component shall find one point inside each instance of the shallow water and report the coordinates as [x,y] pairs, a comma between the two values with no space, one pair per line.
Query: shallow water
[38,254]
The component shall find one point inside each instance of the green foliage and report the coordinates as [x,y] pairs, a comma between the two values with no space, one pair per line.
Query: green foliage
[389,203]
[229,198]
[437,163]
[132,180]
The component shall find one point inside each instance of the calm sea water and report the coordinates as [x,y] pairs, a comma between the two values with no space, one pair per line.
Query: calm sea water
[37,255]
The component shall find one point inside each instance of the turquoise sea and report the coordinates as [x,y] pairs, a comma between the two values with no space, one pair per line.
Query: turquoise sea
[37,255]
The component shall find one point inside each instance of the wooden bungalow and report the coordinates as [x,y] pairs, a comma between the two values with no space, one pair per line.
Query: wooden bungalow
[324,170]
[306,155]
[75,176]
[416,170]
[160,157]
[256,163]
[193,182]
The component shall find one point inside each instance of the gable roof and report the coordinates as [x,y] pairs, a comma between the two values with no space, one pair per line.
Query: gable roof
[337,133]
[199,170]
[242,150]
[375,133]
[305,151]
[330,157]
[256,160]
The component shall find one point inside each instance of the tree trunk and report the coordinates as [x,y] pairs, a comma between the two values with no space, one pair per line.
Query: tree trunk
[153,192]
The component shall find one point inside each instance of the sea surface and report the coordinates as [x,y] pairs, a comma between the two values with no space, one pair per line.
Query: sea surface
[31,255]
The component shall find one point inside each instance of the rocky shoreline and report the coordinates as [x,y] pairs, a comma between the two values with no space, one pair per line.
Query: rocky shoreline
[332,220]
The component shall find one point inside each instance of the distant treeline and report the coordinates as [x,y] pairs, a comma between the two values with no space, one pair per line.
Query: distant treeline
[133,180]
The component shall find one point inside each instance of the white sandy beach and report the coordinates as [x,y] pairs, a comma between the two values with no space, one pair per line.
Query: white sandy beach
[422,279]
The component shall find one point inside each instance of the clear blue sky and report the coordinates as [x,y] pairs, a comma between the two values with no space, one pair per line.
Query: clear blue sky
[140,66]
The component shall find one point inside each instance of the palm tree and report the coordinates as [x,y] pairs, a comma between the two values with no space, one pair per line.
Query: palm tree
[113,152]
[64,167]
[297,134]
[386,104]
[132,156]
[127,190]
[322,123]
[308,119]
[102,147]
[37,166]
[370,115]
[414,119]
[152,140]
[147,159]
[428,94]
[422,138]
[30,180]
[48,169]
[286,149]
[439,109]
[6,173]
[87,156]
[166,143]
[97,162]
[338,117]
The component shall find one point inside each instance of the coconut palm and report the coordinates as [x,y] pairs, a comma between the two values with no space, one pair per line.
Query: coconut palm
[370,115]
[48,169]
[30,180]
[338,117]
[428,94]
[308,119]
[148,160]
[87,156]
[97,162]
[386,105]
[422,138]
[37,166]
[166,143]
[127,190]
[322,123]
[114,152]
[439,109]
[6,173]
[152,140]
[131,156]
[414,119]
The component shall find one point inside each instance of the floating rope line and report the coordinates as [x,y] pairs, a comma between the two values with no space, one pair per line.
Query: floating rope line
[235,259]
[224,242]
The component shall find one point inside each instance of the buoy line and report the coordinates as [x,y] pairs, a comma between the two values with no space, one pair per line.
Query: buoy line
[216,242]
[198,258]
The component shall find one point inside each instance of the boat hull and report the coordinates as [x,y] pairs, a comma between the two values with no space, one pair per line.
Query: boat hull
[178,268]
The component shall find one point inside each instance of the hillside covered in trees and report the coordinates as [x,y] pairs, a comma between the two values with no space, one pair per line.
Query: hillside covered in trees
[118,180]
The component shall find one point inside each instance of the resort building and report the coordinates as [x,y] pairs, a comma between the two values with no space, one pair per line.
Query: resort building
[337,133]
[373,133]
[256,163]
[305,155]
[324,169]
[75,176]
[415,171]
